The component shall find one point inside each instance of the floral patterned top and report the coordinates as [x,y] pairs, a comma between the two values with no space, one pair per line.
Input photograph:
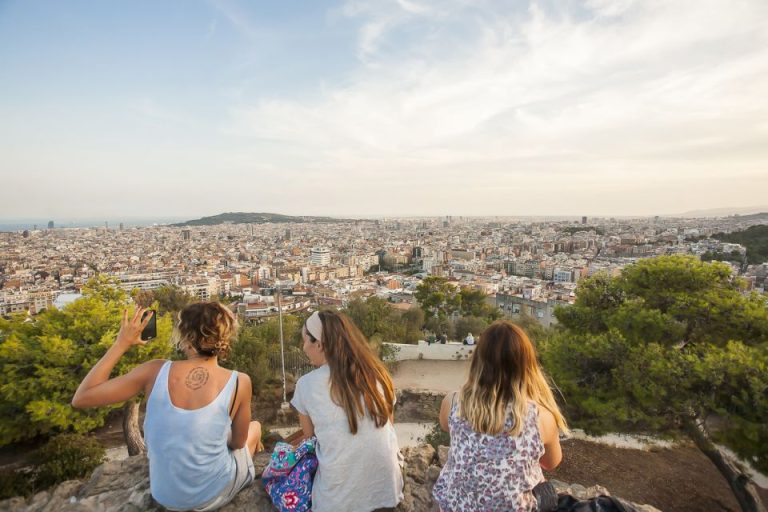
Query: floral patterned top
[490,472]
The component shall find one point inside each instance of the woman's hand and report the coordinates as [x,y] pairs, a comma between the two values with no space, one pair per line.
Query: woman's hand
[98,389]
[130,329]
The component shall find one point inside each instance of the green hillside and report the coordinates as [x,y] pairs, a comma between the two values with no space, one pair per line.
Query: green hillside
[255,218]
[755,239]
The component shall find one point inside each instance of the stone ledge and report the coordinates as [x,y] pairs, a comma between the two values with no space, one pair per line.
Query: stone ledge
[123,486]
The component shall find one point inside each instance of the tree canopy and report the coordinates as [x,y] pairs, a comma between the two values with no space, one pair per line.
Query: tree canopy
[441,301]
[44,358]
[671,343]
[754,238]
[376,318]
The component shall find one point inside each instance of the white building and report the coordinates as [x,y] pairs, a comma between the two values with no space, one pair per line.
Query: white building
[320,256]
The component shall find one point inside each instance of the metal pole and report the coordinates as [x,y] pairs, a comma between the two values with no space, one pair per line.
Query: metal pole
[282,344]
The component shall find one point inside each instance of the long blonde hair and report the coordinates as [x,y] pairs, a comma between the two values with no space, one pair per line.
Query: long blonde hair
[504,370]
[360,383]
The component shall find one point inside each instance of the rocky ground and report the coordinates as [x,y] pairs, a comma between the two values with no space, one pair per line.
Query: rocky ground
[123,486]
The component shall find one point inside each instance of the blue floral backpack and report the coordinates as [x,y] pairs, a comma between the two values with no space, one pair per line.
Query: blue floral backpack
[288,478]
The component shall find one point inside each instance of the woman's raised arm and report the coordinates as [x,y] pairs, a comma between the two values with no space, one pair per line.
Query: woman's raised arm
[97,389]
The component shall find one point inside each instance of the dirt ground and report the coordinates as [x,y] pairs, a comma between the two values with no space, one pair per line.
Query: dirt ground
[441,376]
[673,480]
[679,479]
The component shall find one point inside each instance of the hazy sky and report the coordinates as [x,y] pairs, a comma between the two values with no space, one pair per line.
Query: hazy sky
[409,107]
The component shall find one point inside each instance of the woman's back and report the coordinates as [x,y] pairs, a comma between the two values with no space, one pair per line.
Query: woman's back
[186,429]
[356,472]
[491,472]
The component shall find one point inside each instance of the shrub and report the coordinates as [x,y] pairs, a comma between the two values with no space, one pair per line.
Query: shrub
[437,437]
[15,483]
[67,457]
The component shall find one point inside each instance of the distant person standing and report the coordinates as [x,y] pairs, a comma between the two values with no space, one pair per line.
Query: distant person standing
[469,340]
[504,427]
[443,339]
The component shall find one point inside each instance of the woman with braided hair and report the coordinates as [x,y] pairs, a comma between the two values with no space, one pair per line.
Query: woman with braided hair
[198,429]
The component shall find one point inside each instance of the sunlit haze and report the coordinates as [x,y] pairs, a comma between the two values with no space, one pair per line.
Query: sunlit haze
[409,107]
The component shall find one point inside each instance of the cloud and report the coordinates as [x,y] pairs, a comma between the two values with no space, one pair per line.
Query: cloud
[627,89]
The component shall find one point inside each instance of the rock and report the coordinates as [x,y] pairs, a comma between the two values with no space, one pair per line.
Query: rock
[117,475]
[16,504]
[261,461]
[62,494]
[252,498]
[123,486]
[597,490]
[560,487]
[417,461]
[38,501]
[579,492]
[442,455]
[432,473]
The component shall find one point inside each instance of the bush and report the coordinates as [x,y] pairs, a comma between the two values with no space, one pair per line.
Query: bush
[437,437]
[15,483]
[67,457]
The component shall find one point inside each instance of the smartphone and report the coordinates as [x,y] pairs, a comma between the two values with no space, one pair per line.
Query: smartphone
[150,331]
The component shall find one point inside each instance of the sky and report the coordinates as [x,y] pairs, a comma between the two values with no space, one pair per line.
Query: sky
[395,108]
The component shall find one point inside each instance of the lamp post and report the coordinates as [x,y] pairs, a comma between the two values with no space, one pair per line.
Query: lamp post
[284,405]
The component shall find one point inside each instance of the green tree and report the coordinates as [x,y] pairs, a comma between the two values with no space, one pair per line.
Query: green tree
[470,324]
[754,239]
[413,320]
[168,299]
[45,359]
[257,343]
[667,345]
[377,318]
[372,316]
[437,297]
[474,304]
[441,325]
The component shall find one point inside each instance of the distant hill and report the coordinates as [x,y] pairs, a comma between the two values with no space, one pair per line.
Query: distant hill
[755,216]
[255,218]
[724,212]
[755,239]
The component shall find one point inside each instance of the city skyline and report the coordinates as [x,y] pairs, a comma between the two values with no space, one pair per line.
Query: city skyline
[407,108]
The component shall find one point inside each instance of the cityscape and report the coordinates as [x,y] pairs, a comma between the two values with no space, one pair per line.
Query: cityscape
[522,266]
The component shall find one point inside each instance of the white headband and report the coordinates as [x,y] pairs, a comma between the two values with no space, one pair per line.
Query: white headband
[314,325]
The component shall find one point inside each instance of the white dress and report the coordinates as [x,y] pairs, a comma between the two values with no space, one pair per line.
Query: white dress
[356,473]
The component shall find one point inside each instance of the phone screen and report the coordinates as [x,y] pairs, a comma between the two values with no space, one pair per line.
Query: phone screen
[150,331]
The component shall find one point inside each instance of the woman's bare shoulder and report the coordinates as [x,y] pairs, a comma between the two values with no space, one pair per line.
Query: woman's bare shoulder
[547,423]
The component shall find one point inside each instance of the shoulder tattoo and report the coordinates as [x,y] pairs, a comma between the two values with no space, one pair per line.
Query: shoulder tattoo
[196,378]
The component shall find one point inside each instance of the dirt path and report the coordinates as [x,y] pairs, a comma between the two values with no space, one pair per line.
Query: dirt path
[440,376]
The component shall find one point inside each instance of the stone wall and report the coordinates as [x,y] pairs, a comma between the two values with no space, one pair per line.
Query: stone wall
[451,351]
[417,406]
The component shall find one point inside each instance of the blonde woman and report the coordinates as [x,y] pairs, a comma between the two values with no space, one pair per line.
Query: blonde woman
[504,426]
[347,402]
[198,429]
